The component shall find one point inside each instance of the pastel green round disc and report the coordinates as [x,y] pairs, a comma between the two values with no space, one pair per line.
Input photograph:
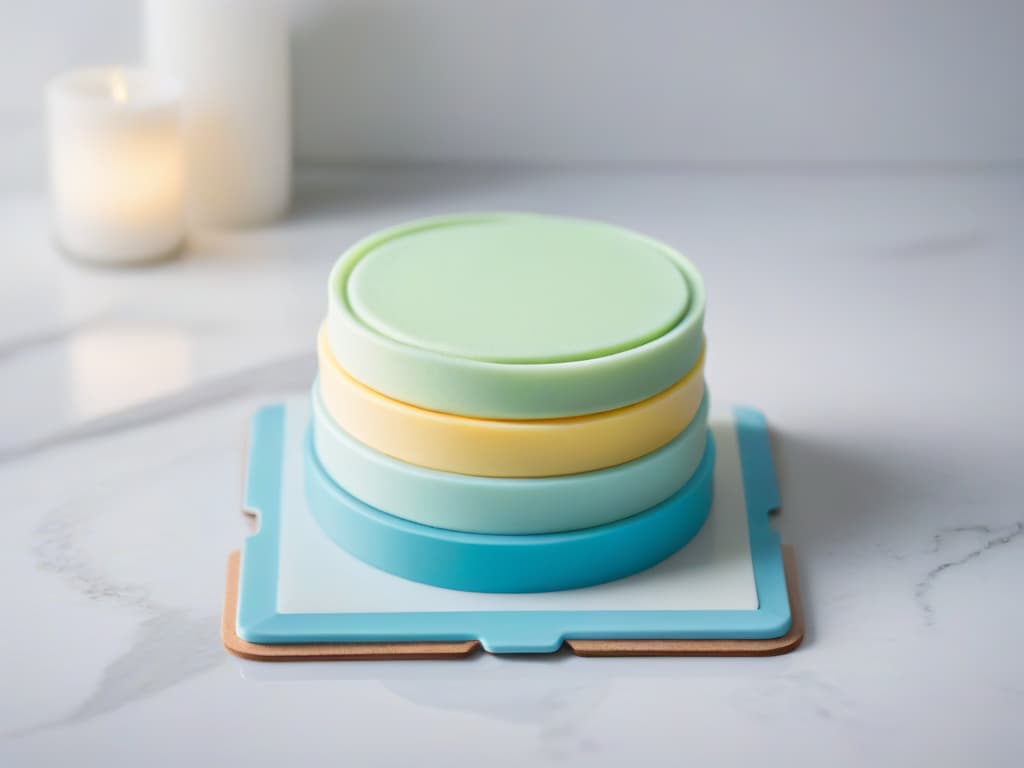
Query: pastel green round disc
[519,289]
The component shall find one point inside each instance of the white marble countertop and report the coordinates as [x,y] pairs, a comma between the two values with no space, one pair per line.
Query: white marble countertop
[874,319]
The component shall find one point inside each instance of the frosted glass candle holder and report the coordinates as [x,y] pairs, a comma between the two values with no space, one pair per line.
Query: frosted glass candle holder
[117,168]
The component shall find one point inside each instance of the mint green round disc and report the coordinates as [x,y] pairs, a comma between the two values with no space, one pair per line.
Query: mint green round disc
[519,289]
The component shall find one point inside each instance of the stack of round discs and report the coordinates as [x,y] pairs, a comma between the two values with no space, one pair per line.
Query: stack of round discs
[511,403]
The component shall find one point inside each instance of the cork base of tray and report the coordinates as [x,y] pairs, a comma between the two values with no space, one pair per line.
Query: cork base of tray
[456,650]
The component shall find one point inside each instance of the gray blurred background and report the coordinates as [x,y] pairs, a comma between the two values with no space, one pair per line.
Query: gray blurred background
[800,85]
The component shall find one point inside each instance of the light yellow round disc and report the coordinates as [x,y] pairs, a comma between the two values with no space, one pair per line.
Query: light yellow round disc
[505,448]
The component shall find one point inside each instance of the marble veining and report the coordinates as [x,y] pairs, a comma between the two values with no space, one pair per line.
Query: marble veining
[289,374]
[991,537]
[11,347]
[55,552]
[169,646]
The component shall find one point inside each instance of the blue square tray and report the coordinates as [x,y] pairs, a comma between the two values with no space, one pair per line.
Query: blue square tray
[274,607]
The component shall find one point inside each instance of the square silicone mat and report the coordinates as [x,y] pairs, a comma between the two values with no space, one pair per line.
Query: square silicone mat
[297,587]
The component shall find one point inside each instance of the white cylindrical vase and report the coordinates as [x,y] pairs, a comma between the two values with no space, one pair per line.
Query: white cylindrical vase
[116,165]
[232,60]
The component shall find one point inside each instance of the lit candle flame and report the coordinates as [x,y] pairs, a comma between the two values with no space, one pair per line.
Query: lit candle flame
[118,89]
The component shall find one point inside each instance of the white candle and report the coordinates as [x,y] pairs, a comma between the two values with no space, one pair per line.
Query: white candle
[116,165]
[232,59]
